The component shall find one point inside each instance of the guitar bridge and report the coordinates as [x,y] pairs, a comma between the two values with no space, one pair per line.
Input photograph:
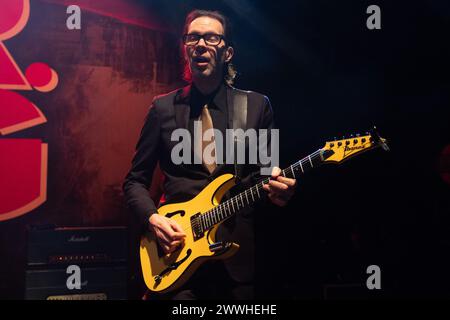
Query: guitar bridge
[219,246]
[196,226]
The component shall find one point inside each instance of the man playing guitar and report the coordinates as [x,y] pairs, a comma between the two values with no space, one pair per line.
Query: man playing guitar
[208,50]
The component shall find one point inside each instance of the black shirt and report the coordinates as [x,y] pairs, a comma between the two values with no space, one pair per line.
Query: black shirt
[217,106]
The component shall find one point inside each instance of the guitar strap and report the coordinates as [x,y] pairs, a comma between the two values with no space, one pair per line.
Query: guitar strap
[239,116]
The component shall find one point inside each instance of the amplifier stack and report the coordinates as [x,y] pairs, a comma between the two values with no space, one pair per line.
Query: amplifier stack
[76,264]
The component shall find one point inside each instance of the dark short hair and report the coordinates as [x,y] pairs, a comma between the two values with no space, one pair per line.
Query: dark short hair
[229,70]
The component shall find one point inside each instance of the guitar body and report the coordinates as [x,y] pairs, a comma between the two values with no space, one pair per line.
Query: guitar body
[167,272]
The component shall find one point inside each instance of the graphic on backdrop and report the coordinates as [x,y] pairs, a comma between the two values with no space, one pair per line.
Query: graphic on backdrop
[23,162]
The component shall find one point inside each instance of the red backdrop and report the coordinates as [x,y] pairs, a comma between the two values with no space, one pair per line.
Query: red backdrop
[72,103]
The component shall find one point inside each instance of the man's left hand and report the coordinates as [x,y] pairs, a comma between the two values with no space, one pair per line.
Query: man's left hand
[280,189]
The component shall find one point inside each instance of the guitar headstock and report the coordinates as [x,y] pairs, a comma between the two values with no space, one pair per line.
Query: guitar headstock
[340,150]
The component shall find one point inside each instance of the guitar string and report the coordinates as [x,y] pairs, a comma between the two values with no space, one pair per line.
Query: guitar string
[234,200]
[257,186]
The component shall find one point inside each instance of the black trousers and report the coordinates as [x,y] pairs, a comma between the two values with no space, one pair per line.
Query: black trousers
[210,282]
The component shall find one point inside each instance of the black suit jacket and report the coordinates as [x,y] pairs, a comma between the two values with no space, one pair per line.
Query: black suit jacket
[183,182]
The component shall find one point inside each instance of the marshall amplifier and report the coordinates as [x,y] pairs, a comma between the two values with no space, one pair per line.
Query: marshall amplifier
[77,263]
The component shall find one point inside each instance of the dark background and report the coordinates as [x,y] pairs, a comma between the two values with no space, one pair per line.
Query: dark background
[327,76]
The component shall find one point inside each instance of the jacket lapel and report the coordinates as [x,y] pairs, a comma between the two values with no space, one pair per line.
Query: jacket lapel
[230,106]
[182,113]
[182,107]
[229,103]
[237,118]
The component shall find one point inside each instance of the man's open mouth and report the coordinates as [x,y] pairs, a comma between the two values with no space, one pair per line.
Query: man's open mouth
[200,60]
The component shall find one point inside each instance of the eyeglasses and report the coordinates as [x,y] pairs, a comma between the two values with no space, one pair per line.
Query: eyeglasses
[211,39]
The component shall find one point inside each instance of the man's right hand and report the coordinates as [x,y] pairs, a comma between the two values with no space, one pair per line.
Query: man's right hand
[168,232]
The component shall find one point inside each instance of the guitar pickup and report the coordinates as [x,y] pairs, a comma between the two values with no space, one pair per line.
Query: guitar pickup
[196,226]
[219,246]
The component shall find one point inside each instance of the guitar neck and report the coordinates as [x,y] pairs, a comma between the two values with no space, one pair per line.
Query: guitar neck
[254,194]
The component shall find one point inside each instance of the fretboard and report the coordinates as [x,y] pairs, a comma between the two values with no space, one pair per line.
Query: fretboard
[251,195]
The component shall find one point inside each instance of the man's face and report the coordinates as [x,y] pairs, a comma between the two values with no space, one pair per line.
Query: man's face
[207,60]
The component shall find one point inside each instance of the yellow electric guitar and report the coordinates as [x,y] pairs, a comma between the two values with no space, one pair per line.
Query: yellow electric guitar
[201,216]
